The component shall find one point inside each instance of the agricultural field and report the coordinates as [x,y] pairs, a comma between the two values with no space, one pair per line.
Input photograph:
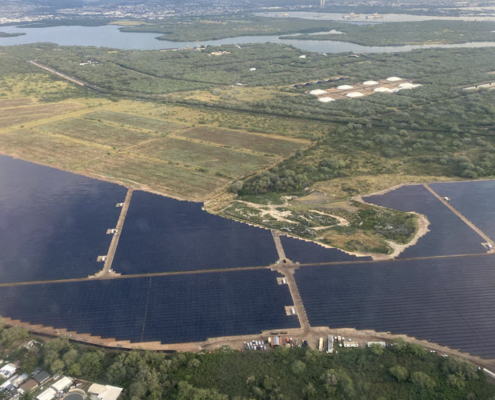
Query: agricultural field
[96,133]
[157,176]
[226,162]
[21,114]
[50,150]
[135,121]
[243,140]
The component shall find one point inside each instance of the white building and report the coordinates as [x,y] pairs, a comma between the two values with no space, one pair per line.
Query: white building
[48,394]
[7,371]
[383,344]
[62,384]
[104,392]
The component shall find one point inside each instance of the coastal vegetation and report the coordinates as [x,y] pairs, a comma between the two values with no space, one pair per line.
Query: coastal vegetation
[377,34]
[402,370]
[6,35]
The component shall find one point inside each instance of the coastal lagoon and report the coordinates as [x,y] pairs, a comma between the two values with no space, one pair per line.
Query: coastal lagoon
[111,36]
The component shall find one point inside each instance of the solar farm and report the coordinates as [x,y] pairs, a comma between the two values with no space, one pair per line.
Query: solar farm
[392,84]
[128,268]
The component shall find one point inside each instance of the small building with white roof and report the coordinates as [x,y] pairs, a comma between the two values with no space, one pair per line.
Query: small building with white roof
[62,384]
[344,87]
[48,394]
[317,92]
[370,83]
[326,99]
[104,392]
[7,371]
[353,95]
[394,79]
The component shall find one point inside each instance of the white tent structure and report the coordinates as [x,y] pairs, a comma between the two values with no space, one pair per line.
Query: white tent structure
[382,90]
[317,92]
[353,95]
[344,87]
[370,83]
[326,99]
[408,85]
[394,79]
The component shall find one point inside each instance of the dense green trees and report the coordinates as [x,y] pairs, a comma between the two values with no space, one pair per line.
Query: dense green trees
[404,371]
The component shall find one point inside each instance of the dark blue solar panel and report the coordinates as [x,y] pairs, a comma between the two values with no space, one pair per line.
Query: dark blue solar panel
[171,309]
[108,308]
[474,200]
[196,307]
[449,301]
[163,234]
[53,223]
[448,234]
[305,252]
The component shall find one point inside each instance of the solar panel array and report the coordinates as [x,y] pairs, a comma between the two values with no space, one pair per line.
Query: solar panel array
[170,309]
[304,252]
[162,234]
[448,234]
[474,200]
[449,301]
[53,223]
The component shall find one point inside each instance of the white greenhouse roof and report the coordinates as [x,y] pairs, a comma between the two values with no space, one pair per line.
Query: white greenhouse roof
[382,89]
[326,99]
[354,94]
[316,92]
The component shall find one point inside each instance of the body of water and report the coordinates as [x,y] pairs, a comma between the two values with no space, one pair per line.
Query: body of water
[53,223]
[111,36]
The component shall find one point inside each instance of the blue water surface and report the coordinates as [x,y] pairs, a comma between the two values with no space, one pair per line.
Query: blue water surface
[53,223]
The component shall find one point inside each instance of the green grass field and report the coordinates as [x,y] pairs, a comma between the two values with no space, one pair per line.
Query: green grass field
[158,176]
[96,132]
[243,140]
[135,121]
[216,159]
[51,150]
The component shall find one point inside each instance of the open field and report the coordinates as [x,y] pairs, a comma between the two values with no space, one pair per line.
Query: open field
[242,140]
[95,132]
[135,121]
[22,114]
[158,176]
[15,103]
[50,150]
[224,161]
